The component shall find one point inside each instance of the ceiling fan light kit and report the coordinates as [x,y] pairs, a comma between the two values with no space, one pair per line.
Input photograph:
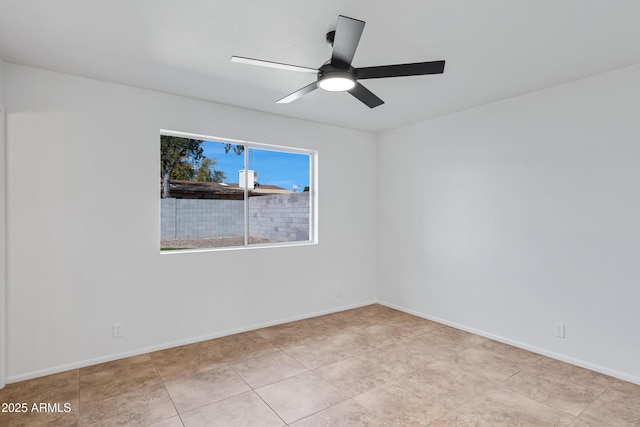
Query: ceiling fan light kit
[335,79]
[338,75]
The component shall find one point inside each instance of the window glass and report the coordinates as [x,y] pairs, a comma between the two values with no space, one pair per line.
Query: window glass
[217,194]
[279,200]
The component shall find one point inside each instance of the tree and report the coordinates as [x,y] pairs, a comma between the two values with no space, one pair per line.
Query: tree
[207,172]
[238,149]
[173,151]
[183,171]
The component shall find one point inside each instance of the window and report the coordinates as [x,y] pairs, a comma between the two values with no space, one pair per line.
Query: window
[221,193]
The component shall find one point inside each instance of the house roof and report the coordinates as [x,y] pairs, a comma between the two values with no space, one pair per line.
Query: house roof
[202,189]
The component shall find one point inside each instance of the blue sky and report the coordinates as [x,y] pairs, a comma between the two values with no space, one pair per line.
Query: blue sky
[273,167]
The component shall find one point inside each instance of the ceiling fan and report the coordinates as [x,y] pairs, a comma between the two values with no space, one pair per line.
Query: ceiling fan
[338,75]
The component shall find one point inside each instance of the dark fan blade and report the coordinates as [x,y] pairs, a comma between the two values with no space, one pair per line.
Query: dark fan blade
[366,96]
[345,42]
[401,70]
[271,64]
[299,93]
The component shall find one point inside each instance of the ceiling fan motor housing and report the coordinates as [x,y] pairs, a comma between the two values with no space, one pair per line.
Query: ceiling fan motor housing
[336,79]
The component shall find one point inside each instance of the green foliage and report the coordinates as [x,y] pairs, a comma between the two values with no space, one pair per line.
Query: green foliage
[207,172]
[182,159]
[238,149]
[183,171]
[174,151]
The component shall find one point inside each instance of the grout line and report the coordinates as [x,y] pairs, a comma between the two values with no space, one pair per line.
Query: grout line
[595,400]
[164,385]
[79,405]
[269,406]
[313,328]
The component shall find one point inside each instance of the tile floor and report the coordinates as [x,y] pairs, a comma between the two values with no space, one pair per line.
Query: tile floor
[371,366]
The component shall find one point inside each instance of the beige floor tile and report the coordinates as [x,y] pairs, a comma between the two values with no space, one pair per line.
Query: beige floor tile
[323,328]
[246,409]
[522,357]
[136,408]
[437,345]
[573,373]
[553,391]
[486,363]
[305,331]
[269,368]
[330,350]
[174,421]
[331,321]
[386,333]
[355,375]
[402,403]
[373,366]
[116,366]
[626,387]
[617,406]
[370,315]
[60,387]
[111,379]
[358,340]
[580,423]
[416,325]
[55,416]
[346,414]
[386,314]
[398,358]
[237,347]
[57,390]
[379,310]
[186,360]
[504,408]
[300,396]
[203,388]
[449,384]
[459,336]
[359,320]
[286,335]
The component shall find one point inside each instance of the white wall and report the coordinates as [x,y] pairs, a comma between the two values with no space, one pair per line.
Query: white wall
[1,81]
[3,237]
[80,151]
[503,219]
[507,218]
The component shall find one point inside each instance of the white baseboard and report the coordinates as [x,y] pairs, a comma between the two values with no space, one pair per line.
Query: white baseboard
[164,346]
[561,357]
[94,361]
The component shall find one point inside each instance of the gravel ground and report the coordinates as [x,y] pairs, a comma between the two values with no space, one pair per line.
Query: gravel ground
[216,242]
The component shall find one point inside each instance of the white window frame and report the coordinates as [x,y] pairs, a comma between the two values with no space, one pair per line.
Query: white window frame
[313,191]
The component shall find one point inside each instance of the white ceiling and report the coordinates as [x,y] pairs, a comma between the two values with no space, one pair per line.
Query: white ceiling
[494,49]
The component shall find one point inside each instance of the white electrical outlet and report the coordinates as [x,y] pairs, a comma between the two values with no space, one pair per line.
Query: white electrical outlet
[338,292]
[559,330]
[118,330]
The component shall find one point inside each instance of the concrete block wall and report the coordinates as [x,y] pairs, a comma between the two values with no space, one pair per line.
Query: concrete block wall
[168,225]
[276,218]
[280,217]
[201,218]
